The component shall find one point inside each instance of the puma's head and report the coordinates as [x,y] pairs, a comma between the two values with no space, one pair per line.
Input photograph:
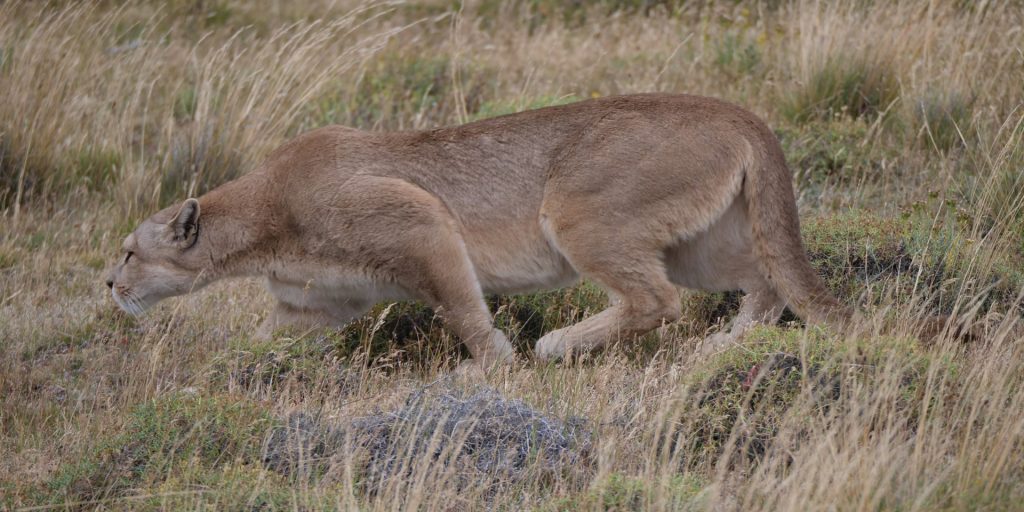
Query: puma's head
[161,258]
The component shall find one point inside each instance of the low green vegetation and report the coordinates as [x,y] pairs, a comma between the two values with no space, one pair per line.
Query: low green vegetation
[183,439]
[830,153]
[738,55]
[499,108]
[873,259]
[622,493]
[785,381]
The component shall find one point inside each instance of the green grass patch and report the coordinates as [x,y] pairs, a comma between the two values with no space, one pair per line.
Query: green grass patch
[831,152]
[236,486]
[109,325]
[9,257]
[90,167]
[778,381]
[573,13]
[96,168]
[395,86]
[620,492]
[286,356]
[496,108]
[738,55]
[858,251]
[185,103]
[217,15]
[180,441]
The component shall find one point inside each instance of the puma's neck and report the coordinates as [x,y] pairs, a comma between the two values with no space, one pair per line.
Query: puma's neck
[238,227]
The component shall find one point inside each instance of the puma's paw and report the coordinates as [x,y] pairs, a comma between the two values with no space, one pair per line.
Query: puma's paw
[716,343]
[497,353]
[470,370]
[476,370]
[550,347]
[502,350]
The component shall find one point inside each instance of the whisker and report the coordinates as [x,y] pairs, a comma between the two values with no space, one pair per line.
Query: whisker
[134,305]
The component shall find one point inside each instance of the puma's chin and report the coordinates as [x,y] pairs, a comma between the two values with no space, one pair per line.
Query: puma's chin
[130,302]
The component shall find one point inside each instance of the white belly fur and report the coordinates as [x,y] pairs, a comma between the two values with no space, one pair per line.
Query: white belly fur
[535,265]
[329,288]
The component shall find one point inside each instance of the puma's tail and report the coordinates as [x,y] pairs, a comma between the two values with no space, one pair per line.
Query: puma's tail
[768,191]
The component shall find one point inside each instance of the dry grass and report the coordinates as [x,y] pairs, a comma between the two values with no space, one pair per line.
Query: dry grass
[902,121]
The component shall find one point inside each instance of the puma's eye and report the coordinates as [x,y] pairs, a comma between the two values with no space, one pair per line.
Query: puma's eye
[128,256]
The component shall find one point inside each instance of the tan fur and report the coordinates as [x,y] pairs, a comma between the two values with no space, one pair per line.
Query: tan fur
[639,194]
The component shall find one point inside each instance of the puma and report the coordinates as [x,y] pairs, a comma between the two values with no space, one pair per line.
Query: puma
[640,194]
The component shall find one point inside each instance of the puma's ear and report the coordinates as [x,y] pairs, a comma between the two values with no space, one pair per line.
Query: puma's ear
[185,224]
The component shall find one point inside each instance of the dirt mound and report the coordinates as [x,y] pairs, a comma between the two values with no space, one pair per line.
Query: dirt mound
[477,439]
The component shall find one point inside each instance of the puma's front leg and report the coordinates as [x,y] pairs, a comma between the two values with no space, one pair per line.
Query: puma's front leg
[417,242]
[300,320]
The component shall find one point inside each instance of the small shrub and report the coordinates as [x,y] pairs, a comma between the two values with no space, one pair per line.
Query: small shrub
[856,249]
[528,317]
[396,332]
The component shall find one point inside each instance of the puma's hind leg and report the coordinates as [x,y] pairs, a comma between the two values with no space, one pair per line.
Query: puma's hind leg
[761,305]
[633,274]
[613,209]
[640,307]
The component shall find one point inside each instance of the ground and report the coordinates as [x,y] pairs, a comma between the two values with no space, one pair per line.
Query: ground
[900,120]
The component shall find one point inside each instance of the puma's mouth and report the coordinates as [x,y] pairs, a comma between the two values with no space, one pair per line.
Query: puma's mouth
[128,302]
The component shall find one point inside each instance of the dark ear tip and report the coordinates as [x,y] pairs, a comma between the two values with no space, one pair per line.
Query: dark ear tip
[188,214]
[191,205]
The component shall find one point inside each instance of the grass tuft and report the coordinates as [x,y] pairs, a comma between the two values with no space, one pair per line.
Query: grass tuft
[843,87]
